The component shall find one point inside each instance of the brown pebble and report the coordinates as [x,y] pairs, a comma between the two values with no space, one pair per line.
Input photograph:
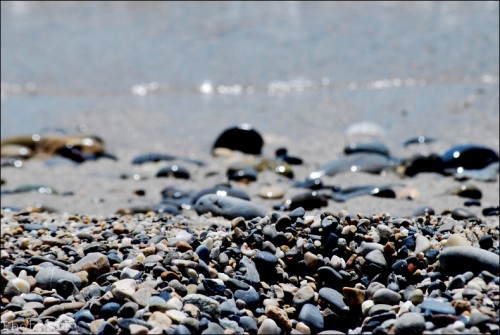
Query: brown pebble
[183,246]
[354,296]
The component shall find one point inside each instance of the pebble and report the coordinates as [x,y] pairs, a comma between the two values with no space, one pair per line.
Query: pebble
[409,324]
[228,207]
[460,259]
[386,296]
[204,303]
[303,296]
[268,326]
[47,278]
[334,299]
[311,316]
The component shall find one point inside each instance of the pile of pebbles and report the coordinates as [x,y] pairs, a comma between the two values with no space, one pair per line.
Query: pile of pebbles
[289,272]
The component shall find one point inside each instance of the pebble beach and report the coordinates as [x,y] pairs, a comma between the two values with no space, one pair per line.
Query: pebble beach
[295,195]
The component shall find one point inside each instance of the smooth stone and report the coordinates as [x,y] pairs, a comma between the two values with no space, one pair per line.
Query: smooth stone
[142,296]
[47,278]
[32,297]
[268,326]
[271,192]
[106,328]
[455,240]
[83,315]
[422,244]
[228,207]
[312,317]
[176,315]
[125,324]
[298,212]
[157,304]
[128,310]
[250,297]
[354,296]
[248,323]
[311,260]
[37,306]
[214,328]
[384,231]
[228,307]
[204,303]
[433,306]
[456,260]
[128,273]
[160,320]
[109,309]
[251,274]
[242,137]
[409,324]
[175,171]
[66,288]
[386,296]
[468,157]
[334,299]
[203,252]
[15,287]
[376,257]
[303,296]
[416,296]
[123,289]
[94,263]
[138,329]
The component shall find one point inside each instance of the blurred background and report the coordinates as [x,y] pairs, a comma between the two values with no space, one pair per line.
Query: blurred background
[169,77]
[172,75]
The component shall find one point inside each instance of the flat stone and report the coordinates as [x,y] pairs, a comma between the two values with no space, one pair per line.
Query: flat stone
[228,207]
[160,320]
[157,304]
[376,257]
[142,296]
[204,303]
[433,306]
[303,296]
[47,278]
[334,299]
[94,263]
[123,289]
[422,244]
[456,260]
[386,296]
[251,274]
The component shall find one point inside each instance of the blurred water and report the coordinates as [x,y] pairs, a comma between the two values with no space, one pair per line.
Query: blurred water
[164,71]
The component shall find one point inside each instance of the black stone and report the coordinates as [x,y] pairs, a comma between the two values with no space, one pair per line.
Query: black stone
[242,138]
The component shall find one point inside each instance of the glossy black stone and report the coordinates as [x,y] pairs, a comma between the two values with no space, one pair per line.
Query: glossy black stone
[242,138]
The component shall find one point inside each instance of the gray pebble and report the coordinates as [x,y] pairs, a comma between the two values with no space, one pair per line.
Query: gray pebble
[228,207]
